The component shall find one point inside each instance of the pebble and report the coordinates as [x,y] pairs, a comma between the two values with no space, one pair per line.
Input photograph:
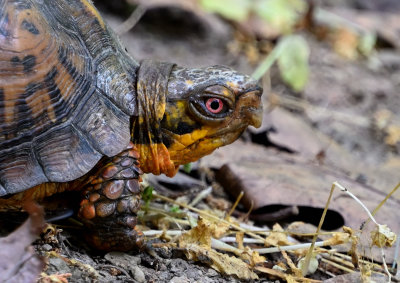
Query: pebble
[181,279]
[47,247]
[138,274]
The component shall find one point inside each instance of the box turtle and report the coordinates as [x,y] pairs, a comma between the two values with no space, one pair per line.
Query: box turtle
[79,115]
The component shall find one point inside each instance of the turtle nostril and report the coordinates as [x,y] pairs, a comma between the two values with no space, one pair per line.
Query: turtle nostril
[252,109]
[255,116]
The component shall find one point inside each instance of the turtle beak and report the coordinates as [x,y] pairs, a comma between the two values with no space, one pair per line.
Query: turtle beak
[252,110]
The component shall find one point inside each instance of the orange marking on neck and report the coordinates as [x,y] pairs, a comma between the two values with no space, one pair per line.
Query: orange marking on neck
[154,158]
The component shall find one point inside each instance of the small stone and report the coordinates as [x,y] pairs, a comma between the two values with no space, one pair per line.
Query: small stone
[59,265]
[212,272]
[181,279]
[122,260]
[47,247]
[138,274]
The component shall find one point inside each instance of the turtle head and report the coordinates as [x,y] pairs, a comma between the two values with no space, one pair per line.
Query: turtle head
[202,109]
[206,109]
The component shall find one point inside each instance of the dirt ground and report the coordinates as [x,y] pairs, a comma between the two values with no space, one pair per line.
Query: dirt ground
[344,126]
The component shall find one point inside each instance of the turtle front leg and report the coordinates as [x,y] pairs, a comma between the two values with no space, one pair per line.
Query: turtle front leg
[111,201]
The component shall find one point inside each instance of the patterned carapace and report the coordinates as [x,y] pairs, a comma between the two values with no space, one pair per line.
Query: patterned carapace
[78,113]
[64,80]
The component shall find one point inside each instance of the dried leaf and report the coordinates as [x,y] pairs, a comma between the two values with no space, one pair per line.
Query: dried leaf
[393,135]
[252,257]
[223,263]
[291,181]
[18,261]
[54,278]
[276,273]
[382,236]
[345,43]
[277,237]
[337,239]
[239,240]
[201,235]
[197,246]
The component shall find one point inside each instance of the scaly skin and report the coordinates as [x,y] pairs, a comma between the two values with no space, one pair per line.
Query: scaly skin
[79,114]
[173,128]
[111,201]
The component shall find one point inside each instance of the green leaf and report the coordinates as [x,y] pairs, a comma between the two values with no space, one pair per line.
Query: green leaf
[147,196]
[367,43]
[237,10]
[282,14]
[293,61]
[175,208]
[187,167]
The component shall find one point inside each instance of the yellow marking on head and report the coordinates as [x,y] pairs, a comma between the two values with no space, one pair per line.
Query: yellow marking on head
[188,139]
[192,146]
[189,82]
[94,12]
[232,85]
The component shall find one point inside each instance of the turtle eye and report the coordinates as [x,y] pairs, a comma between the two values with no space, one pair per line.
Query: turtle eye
[214,105]
[210,108]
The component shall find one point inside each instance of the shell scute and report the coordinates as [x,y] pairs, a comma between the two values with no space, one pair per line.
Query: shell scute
[65,94]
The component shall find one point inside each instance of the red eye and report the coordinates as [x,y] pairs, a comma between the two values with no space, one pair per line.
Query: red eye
[214,105]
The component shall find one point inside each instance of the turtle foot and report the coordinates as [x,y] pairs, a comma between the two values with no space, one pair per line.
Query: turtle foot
[111,201]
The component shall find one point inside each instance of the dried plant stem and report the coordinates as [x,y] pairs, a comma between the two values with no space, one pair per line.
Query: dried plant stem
[347,258]
[372,219]
[131,21]
[338,260]
[245,240]
[268,61]
[289,248]
[341,267]
[202,195]
[383,202]
[150,233]
[356,199]
[235,204]
[200,212]
[304,268]
[217,244]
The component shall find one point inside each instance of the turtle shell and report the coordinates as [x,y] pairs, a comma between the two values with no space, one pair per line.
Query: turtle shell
[66,92]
